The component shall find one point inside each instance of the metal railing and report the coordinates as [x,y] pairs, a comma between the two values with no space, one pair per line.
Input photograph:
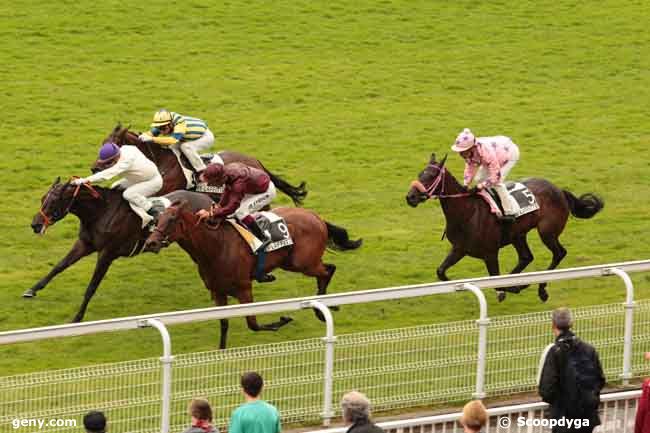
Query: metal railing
[337,373]
[617,413]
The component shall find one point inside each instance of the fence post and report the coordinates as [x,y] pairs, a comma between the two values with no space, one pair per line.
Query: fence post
[482,323]
[329,341]
[629,322]
[166,361]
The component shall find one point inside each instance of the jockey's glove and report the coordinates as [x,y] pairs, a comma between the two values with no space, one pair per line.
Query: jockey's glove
[145,138]
[78,181]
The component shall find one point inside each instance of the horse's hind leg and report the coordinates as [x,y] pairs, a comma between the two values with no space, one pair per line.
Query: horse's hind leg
[552,242]
[323,273]
[525,258]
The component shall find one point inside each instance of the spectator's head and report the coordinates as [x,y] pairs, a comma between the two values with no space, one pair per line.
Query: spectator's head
[355,407]
[647,356]
[200,410]
[474,416]
[562,320]
[252,384]
[95,422]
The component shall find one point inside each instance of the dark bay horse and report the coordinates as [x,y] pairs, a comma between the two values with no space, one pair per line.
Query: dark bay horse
[473,230]
[172,173]
[227,265]
[108,226]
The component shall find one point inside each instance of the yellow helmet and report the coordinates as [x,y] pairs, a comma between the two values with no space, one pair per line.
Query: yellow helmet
[161,118]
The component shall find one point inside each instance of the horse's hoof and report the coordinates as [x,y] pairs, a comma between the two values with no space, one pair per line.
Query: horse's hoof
[501,296]
[285,319]
[319,315]
[29,294]
[334,308]
[543,295]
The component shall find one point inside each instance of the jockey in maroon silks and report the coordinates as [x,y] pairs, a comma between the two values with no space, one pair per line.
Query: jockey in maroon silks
[247,190]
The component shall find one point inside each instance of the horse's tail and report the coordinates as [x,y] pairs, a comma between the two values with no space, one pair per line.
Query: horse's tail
[297,193]
[585,206]
[339,240]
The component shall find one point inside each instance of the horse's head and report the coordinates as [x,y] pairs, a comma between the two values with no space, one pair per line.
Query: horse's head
[429,182]
[55,205]
[171,224]
[119,136]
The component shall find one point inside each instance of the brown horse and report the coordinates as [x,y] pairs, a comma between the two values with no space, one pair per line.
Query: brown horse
[227,265]
[473,230]
[172,173]
[108,226]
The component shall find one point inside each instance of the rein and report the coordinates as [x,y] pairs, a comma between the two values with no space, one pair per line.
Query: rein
[48,220]
[429,191]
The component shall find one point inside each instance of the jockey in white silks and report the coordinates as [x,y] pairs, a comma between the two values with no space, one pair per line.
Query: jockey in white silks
[141,178]
[488,160]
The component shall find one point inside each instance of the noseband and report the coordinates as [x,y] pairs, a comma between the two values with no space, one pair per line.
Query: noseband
[51,220]
[440,178]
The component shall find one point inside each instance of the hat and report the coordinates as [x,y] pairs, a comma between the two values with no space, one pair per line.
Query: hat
[95,422]
[464,141]
[161,117]
[109,150]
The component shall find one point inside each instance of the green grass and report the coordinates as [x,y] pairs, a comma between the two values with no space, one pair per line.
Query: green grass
[352,98]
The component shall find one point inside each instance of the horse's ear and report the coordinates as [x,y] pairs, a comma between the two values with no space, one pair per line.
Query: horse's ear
[433,157]
[442,163]
[57,181]
[117,128]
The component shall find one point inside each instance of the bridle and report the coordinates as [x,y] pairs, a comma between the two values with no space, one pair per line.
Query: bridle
[440,178]
[165,238]
[47,220]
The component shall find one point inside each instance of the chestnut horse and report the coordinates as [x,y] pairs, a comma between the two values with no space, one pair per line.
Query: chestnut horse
[172,173]
[108,226]
[227,265]
[473,230]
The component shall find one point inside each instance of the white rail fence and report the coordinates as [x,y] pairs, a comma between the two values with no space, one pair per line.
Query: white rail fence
[617,412]
[398,368]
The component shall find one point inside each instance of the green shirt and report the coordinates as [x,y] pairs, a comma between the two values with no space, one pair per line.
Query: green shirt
[255,417]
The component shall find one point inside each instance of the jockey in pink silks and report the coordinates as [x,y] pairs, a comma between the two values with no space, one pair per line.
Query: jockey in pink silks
[488,160]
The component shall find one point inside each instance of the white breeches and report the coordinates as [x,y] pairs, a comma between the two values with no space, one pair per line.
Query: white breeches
[137,195]
[191,149]
[254,202]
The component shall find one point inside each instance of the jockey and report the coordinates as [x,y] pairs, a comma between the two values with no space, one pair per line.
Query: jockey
[169,128]
[488,160]
[141,176]
[247,190]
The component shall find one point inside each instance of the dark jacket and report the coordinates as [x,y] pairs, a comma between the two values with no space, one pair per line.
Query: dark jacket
[558,385]
[364,427]
[642,422]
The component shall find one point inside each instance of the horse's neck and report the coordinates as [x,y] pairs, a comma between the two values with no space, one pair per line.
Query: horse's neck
[456,209]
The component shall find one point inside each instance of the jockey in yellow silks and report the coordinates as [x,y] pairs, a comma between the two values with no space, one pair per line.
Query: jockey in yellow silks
[191,134]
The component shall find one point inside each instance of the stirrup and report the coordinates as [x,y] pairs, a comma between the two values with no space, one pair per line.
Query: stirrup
[507,218]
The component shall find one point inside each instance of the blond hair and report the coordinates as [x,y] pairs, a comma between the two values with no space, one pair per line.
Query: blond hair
[474,415]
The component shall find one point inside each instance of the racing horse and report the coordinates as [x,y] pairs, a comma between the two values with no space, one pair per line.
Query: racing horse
[108,226]
[172,173]
[227,265]
[473,230]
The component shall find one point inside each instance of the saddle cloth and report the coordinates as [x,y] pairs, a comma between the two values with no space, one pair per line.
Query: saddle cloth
[208,158]
[275,224]
[524,198]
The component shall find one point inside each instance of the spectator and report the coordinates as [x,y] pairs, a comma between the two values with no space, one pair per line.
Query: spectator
[356,413]
[571,379]
[201,414]
[255,415]
[474,417]
[642,422]
[95,422]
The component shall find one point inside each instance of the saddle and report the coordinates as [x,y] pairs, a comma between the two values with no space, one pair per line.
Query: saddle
[524,198]
[188,171]
[267,221]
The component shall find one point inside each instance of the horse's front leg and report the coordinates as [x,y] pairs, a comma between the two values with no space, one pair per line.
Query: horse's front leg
[492,265]
[452,258]
[103,263]
[79,249]
[245,296]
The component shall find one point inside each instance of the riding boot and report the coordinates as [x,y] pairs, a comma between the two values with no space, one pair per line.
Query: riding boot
[506,203]
[265,237]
